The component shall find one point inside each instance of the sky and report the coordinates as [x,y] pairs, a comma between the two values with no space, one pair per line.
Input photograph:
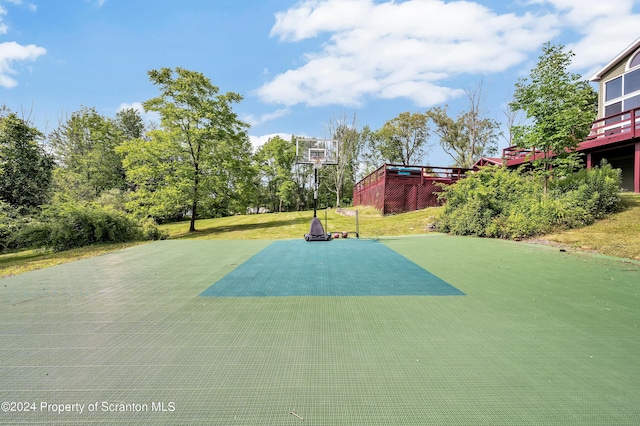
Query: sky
[299,65]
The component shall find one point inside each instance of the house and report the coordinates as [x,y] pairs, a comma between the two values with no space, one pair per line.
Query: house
[615,135]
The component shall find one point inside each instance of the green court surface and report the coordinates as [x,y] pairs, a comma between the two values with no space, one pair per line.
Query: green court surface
[539,337]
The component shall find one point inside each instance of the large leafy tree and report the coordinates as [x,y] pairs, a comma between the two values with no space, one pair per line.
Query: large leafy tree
[25,167]
[85,149]
[471,135]
[560,108]
[275,161]
[404,139]
[198,157]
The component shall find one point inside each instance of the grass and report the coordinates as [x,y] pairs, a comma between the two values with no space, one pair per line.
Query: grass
[617,235]
[273,226]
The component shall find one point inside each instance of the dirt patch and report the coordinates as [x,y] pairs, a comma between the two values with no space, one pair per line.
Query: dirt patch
[549,243]
[345,212]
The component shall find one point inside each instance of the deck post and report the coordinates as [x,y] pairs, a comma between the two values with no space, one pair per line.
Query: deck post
[636,170]
[589,161]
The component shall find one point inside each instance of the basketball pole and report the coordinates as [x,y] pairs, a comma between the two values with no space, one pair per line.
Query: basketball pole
[315,191]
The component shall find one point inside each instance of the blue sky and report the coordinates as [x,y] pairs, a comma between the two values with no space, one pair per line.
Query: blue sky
[298,64]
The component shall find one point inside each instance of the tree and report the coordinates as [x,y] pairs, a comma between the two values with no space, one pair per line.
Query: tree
[130,124]
[25,167]
[153,169]
[199,154]
[275,161]
[85,149]
[560,107]
[370,157]
[471,135]
[348,139]
[404,139]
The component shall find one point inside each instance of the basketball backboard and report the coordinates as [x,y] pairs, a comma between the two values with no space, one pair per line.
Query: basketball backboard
[314,151]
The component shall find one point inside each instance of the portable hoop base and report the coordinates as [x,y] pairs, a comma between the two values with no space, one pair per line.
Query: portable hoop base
[316,232]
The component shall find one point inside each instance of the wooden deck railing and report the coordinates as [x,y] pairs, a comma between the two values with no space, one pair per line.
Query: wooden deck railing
[445,174]
[617,127]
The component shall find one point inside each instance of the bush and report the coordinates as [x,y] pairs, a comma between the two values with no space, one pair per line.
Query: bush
[11,223]
[595,190]
[150,231]
[70,225]
[498,202]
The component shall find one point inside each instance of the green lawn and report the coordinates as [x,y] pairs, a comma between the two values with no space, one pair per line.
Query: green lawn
[272,226]
[617,235]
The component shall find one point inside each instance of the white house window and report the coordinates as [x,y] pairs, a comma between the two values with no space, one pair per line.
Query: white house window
[632,81]
[623,93]
[635,61]
[613,89]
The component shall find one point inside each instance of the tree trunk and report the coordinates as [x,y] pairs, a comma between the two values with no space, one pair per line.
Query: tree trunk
[192,225]
[194,204]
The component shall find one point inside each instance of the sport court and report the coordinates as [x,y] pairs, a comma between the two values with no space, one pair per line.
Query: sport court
[399,331]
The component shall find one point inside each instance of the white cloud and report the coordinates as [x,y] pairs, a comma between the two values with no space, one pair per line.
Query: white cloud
[412,49]
[252,120]
[11,52]
[3,27]
[398,49]
[258,141]
[149,117]
[98,3]
[32,7]
[604,29]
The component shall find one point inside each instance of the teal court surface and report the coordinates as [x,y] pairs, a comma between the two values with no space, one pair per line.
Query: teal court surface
[429,330]
[344,268]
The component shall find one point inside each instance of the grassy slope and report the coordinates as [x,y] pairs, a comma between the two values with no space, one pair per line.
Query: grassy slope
[618,235]
[295,224]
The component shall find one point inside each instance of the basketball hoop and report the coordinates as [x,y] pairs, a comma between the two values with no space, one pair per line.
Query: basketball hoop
[317,163]
[318,153]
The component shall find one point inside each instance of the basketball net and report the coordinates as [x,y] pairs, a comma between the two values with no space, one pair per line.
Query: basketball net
[317,163]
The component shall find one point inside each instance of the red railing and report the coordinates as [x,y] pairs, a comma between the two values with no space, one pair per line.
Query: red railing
[617,127]
[516,153]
